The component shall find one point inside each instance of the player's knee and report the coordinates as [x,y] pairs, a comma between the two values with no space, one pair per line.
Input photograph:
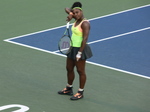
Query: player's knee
[69,69]
[80,71]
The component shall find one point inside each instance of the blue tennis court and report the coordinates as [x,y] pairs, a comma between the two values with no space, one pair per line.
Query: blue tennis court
[119,41]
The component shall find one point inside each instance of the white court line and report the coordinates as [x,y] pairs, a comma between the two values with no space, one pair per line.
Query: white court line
[135,31]
[108,38]
[71,24]
[120,12]
[33,47]
[131,73]
[9,40]
[135,74]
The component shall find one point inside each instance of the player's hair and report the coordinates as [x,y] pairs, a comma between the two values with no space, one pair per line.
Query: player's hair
[76,4]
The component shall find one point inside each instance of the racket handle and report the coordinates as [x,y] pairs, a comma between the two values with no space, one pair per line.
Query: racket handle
[68,25]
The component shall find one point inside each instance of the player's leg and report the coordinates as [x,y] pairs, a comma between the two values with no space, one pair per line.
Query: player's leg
[82,79]
[70,64]
[81,71]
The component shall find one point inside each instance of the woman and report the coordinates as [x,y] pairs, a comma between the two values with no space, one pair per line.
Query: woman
[80,51]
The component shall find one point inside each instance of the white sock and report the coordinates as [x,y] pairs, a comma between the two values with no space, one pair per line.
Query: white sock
[81,89]
[68,85]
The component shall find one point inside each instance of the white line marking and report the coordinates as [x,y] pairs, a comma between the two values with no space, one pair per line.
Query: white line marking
[56,51]
[34,33]
[96,64]
[108,38]
[120,12]
[23,108]
[118,69]
[135,31]
[9,40]
[34,48]
[71,24]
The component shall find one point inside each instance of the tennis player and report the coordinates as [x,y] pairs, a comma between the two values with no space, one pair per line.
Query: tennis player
[80,51]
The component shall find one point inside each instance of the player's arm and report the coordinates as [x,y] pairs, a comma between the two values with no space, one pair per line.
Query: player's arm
[70,14]
[86,29]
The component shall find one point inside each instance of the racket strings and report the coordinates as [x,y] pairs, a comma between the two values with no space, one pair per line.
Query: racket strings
[64,44]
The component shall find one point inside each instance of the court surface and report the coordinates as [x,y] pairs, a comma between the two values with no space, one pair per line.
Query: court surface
[132,43]
[118,74]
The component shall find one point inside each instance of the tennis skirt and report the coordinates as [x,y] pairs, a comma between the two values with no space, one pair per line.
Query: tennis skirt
[87,53]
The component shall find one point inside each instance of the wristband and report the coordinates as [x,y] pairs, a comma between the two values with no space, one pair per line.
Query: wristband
[79,52]
[78,56]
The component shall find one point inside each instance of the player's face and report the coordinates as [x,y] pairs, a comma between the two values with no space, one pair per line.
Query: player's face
[77,14]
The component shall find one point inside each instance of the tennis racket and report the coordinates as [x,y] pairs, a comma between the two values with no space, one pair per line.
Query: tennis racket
[65,42]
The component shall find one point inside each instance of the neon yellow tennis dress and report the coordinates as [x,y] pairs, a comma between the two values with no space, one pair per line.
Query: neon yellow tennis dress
[77,38]
[77,34]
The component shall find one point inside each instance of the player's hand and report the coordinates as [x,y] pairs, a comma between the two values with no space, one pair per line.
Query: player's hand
[78,56]
[69,17]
